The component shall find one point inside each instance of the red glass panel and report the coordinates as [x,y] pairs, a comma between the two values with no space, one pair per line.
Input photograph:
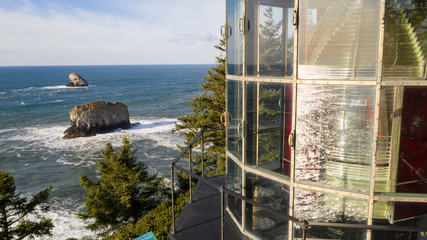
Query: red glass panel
[412,168]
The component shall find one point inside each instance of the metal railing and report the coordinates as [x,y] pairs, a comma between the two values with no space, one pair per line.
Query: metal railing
[304,224]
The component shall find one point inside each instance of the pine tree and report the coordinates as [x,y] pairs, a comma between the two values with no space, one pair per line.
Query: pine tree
[15,209]
[207,109]
[271,52]
[124,192]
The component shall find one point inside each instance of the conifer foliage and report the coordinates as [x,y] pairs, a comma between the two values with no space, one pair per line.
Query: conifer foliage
[124,192]
[207,109]
[14,211]
[271,52]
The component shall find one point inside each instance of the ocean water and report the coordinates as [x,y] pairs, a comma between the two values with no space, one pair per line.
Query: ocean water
[34,113]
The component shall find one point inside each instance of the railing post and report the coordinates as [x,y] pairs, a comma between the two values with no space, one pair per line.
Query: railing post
[203,155]
[190,170]
[222,212]
[304,229]
[172,198]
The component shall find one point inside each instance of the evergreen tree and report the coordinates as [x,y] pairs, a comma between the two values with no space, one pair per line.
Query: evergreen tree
[124,192]
[15,209]
[271,49]
[207,109]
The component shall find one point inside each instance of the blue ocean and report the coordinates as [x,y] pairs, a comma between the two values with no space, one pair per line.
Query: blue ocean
[34,113]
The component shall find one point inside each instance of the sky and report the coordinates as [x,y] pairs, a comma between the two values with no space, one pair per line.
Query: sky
[109,32]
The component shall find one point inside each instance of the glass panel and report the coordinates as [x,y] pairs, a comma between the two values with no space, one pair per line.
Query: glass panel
[405,39]
[330,208]
[287,130]
[259,222]
[338,39]
[234,118]
[402,150]
[323,233]
[275,110]
[394,214]
[269,112]
[334,136]
[269,41]
[234,37]
[251,119]
[270,126]
[234,183]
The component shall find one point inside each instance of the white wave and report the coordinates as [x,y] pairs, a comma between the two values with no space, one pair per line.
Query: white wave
[56,101]
[158,130]
[47,88]
[54,87]
[23,103]
[8,130]
[50,137]
[83,153]
[66,224]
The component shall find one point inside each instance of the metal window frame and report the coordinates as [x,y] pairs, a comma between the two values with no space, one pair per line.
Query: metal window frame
[378,82]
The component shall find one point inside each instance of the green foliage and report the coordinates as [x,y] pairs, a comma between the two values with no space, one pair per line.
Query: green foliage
[273,50]
[270,122]
[124,192]
[206,111]
[14,210]
[158,220]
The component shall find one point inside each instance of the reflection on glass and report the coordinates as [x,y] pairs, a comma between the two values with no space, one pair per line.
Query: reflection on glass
[399,214]
[323,233]
[269,110]
[324,207]
[234,118]
[234,37]
[234,183]
[334,136]
[405,39]
[402,162]
[270,126]
[338,39]
[251,119]
[270,38]
[259,222]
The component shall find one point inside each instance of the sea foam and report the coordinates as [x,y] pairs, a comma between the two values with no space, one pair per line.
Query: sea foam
[157,130]
[65,221]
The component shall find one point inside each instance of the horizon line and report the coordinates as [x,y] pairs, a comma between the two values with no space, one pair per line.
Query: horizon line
[99,65]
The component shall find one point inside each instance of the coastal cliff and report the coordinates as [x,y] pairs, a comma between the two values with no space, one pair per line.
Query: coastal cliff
[97,117]
[76,81]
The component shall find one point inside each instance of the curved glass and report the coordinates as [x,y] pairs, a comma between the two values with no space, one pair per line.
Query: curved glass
[410,214]
[258,221]
[334,135]
[333,141]
[234,183]
[330,208]
[233,117]
[402,143]
[234,37]
[405,40]
[269,118]
[270,38]
[338,39]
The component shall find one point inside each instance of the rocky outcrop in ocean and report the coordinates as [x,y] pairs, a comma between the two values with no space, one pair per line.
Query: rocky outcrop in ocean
[76,81]
[97,117]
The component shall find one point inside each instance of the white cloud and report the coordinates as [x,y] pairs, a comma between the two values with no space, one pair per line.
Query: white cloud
[194,38]
[151,32]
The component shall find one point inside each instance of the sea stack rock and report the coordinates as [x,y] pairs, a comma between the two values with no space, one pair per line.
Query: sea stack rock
[76,81]
[97,117]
